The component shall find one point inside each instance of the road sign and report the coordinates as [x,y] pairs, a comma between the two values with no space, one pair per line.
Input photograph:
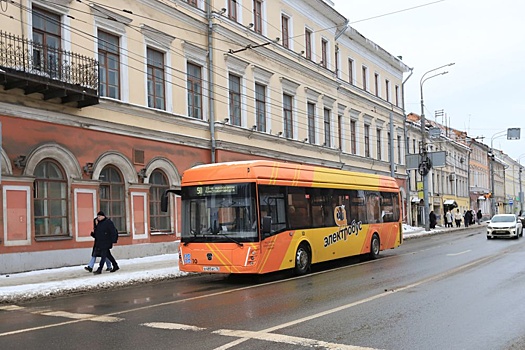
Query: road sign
[438,160]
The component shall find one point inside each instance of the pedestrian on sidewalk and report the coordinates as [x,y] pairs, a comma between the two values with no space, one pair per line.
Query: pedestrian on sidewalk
[105,236]
[479,216]
[95,252]
[468,217]
[448,219]
[433,219]
[457,218]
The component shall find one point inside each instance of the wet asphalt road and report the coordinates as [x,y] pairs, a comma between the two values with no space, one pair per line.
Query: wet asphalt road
[449,291]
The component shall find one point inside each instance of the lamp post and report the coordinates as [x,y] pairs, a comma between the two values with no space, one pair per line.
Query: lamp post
[425,165]
[492,156]
[519,176]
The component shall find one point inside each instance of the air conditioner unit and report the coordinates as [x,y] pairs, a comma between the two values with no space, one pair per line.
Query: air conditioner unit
[452,177]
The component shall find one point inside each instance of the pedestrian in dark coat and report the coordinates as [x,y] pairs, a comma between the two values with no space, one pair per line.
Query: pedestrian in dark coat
[105,235]
[468,218]
[433,219]
[479,216]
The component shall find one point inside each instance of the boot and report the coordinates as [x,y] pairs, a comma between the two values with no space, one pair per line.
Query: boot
[89,269]
[97,271]
[115,268]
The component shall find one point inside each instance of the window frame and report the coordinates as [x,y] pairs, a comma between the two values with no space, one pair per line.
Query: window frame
[152,78]
[192,93]
[104,63]
[235,96]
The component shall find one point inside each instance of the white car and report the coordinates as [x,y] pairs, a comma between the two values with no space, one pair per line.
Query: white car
[504,225]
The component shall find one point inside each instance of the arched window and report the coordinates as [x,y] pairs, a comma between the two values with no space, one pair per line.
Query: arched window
[50,200]
[112,196]
[159,220]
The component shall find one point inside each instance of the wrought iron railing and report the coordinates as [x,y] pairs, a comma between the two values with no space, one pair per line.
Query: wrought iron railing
[20,54]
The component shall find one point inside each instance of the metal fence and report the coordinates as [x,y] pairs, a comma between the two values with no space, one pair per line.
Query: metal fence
[23,55]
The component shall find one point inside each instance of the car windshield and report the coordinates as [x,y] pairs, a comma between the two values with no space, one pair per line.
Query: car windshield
[503,218]
[219,213]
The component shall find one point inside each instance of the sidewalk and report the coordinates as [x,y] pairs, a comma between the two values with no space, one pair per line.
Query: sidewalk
[412,232]
[66,280]
[74,279]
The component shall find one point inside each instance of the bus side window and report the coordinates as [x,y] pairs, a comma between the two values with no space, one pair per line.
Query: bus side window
[272,201]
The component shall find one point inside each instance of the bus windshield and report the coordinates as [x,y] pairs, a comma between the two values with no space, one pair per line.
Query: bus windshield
[219,213]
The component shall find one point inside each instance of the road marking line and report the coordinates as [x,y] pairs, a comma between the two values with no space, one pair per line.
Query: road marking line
[77,316]
[165,325]
[455,254]
[287,339]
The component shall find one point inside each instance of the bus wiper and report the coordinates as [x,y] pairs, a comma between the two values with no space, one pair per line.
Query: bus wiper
[191,239]
[232,239]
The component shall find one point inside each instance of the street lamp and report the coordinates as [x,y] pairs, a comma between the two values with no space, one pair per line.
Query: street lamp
[425,165]
[512,134]
[492,156]
[519,175]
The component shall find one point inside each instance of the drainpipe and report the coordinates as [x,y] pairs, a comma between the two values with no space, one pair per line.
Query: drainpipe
[409,205]
[211,92]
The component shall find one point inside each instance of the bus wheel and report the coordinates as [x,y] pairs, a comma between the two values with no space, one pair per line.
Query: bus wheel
[302,259]
[375,247]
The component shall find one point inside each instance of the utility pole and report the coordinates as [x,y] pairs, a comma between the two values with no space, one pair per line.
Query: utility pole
[426,165]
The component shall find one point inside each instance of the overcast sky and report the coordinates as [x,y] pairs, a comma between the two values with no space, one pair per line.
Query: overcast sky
[484,92]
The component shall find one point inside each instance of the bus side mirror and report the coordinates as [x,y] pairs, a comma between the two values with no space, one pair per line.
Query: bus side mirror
[164,199]
[266,226]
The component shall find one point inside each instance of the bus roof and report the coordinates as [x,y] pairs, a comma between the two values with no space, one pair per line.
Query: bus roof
[286,174]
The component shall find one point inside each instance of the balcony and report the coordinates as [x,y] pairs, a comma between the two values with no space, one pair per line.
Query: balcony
[54,73]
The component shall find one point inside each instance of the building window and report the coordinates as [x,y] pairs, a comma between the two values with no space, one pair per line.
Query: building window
[324,53]
[50,200]
[109,65]
[311,122]
[257,16]
[387,87]
[413,146]
[159,220]
[285,22]
[389,143]
[365,78]
[397,95]
[46,42]
[351,71]
[287,116]
[232,10]
[399,159]
[194,85]
[260,107]
[337,61]
[367,140]
[340,131]
[193,3]
[327,134]
[308,43]
[353,135]
[156,86]
[235,100]
[376,83]
[378,131]
[112,196]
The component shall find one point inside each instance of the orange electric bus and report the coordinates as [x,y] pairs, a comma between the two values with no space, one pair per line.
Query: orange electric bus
[263,216]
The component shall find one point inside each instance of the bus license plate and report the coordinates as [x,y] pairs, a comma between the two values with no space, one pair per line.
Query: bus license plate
[210,268]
